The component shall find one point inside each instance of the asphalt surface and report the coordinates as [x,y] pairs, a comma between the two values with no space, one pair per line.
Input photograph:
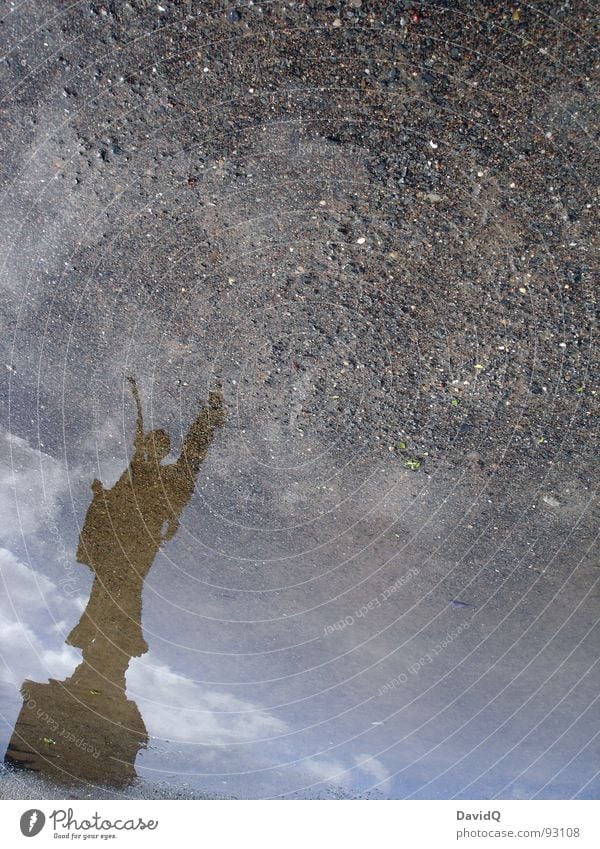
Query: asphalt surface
[372,228]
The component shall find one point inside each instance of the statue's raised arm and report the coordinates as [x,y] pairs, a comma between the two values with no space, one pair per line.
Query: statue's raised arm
[201,433]
[139,444]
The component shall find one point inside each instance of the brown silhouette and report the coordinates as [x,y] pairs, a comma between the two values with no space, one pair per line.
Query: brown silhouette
[85,728]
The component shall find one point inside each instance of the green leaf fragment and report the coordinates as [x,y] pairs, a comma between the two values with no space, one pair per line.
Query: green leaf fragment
[413,464]
[49,741]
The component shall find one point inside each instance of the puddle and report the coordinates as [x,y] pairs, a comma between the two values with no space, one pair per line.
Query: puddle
[360,651]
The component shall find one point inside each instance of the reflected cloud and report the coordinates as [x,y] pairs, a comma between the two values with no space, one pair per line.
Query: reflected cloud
[203,716]
[328,771]
[25,651]
[332,771]
[376,769]
[31,483]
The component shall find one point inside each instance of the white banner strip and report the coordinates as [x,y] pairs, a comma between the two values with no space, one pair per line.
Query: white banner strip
[301,824]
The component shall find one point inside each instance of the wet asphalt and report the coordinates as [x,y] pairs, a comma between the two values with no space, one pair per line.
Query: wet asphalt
[299,400]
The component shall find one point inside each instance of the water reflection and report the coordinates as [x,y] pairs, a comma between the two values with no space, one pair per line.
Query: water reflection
[85,727]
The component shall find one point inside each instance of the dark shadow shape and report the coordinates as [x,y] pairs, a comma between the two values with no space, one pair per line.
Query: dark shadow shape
[85,729]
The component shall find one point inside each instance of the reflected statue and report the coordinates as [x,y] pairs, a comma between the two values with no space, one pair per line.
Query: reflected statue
[85,728]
